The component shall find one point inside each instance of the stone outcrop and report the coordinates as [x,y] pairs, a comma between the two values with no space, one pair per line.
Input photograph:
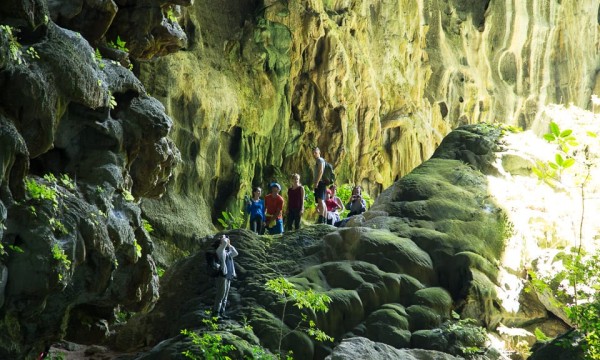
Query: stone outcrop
[427,248]
[80,143]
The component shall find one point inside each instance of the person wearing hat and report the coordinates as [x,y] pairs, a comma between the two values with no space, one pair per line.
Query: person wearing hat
[274,209]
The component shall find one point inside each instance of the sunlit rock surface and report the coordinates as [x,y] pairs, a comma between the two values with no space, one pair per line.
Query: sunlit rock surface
[375,84]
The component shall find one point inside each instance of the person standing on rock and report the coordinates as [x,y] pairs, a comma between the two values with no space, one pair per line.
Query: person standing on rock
[274,210]
[295,204]
[255,206]
[319,186]
[225,252]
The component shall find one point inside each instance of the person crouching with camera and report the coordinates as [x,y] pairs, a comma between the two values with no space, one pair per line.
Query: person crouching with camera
[357,205]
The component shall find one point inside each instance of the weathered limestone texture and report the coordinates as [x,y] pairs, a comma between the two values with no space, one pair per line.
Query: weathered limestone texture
[376,84]
[80,143]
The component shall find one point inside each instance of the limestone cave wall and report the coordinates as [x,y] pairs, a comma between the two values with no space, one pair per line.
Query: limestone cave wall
[375,84]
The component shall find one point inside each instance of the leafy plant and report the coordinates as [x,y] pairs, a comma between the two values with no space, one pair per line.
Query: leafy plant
[563,138]
[147,226]
[551,172]
[58,227]
[112,103]
[230,221]
[41,192]
[171,16]
[14,47]
[138,248]
[67,182]
[59,255]
[208,345]
[128,196]
[577,285]
[160,271]
[118,44]
[98,59]
[302,299]
[33,54]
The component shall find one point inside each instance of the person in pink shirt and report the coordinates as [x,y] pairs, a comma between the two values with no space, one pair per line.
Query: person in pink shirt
[332,208]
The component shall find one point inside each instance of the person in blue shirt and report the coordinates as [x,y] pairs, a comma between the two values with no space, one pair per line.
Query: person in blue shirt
[256,208]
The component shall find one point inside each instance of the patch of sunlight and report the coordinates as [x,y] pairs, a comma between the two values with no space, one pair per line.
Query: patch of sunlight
[546,220]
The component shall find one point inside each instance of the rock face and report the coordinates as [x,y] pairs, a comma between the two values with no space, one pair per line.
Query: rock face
[427,247]
[375,84]
[80,141]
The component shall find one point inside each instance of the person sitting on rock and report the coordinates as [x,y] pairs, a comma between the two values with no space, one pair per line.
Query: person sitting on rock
[255,206]
[357,205]
[225,252]
[333,216]
[274,210]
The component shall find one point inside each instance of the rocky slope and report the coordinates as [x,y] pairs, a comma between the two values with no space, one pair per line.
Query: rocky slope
[248,88]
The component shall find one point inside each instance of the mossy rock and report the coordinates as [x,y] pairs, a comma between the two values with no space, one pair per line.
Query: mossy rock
[388,325]
[387,251]
[429,340]
[422,318]
[435,298]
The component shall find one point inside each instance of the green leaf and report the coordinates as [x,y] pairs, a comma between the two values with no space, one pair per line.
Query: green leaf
[553,165]
[559,159]
[549,137]
[566,133]
[554,129]
[568,163]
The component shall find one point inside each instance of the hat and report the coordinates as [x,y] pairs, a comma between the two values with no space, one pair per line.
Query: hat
[274,184]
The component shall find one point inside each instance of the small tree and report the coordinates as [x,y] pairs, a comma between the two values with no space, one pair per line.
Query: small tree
[302,299]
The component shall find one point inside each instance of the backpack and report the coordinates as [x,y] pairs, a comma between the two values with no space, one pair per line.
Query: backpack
[213,265]
[328,175]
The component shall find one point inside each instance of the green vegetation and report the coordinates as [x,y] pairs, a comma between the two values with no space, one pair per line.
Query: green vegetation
[302,299]
[59,255]
[577,285]
[41,192]
[118,44]
[229,221]
[98,59]
[112,103]
[147,226]
[551,172]
[208,345]
[171,16]
[138,248]
[33,54]
[128,196]
[15,54]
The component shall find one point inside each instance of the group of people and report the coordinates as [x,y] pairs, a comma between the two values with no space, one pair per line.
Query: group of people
[266,215]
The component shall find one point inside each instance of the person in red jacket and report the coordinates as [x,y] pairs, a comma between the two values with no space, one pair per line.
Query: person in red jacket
[274,209]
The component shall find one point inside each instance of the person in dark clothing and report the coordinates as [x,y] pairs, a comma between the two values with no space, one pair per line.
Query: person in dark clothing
[225,252]
[295,204]
[319,186]
[256,208]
